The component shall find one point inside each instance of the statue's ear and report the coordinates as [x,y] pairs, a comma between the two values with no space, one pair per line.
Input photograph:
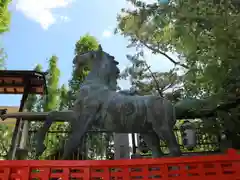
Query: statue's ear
[100,48]
[99,52]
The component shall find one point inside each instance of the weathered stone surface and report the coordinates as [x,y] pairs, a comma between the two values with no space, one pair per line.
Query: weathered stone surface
[99,103]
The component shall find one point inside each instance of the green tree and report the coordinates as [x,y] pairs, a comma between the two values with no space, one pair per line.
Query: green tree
[84,44]
[51,102]
[205,36]
[52,99]
[5,16]
[205,41]
[48,102]
[145,81]
[5,140]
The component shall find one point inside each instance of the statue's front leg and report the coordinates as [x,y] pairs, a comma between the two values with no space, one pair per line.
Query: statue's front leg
[53,116]
[79,128]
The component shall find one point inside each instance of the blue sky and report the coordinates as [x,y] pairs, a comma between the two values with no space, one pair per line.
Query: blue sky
[41,28]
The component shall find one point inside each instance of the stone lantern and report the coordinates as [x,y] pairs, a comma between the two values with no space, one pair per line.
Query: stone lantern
[189,136]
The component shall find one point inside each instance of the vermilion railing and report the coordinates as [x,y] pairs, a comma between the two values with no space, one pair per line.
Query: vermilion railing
[214,167]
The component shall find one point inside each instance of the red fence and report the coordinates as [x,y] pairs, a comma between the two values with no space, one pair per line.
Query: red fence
[214,167]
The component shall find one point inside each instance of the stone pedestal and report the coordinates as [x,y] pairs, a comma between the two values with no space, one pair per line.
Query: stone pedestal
[121,146]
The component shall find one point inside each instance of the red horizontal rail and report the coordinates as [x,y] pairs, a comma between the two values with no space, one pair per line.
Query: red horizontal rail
[231,155]
[220,167]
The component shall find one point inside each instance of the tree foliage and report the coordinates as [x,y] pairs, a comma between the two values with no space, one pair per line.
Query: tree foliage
[145,81]
[84,44]
[5,140]
[49,102]
[205,36]
[52,99]
[5,16]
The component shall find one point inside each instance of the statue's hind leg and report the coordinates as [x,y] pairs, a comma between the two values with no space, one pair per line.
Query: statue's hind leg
[168,135]
[153,142]
[163,123]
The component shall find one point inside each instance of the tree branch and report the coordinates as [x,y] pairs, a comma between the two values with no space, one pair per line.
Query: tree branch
[155,80]
[165,55]
[167,87]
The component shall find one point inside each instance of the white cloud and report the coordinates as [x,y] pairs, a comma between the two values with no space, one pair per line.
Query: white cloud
[107,34]
[41,10]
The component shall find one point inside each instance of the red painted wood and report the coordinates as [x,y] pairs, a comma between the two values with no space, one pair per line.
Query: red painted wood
[219,167]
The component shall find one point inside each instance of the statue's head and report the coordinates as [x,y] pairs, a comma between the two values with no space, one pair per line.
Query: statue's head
[100,61]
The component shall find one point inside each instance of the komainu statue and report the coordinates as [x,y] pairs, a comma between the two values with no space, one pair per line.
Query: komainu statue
[98,103]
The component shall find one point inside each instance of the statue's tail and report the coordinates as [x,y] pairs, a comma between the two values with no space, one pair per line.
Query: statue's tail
[40,136]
